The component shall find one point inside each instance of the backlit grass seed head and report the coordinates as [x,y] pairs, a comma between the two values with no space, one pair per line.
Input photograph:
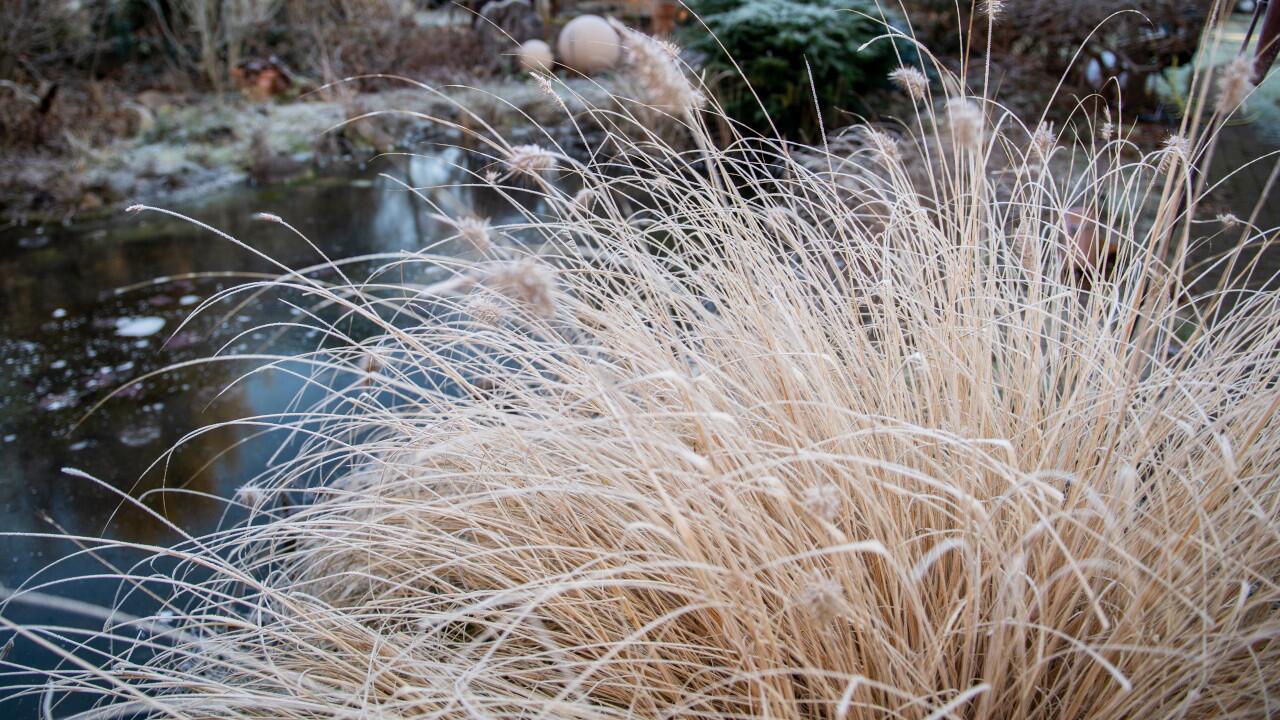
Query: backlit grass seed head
[476,232]
[993,8]
[822,599]
[544,84]
[1043,141]
[911,81]
[1176,149]
[528,282]
[823,501]
[966,122]
[655,65]
[774,487]
[251,495]
[485,310]
[1228,220]
[1234,84]
[530,160]
[885,146]
[1107,131]
[671,50]
[584,199]
[780,219]
[1025,250]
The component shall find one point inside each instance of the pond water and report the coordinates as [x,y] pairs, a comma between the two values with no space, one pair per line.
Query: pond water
[86,310]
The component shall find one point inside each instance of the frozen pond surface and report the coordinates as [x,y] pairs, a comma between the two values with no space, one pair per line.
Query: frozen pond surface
[90,310]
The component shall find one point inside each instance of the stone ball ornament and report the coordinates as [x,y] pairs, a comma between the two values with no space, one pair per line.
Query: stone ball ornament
[587,44]
[534,55]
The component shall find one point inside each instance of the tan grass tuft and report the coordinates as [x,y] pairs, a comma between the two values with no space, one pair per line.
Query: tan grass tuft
[773,431]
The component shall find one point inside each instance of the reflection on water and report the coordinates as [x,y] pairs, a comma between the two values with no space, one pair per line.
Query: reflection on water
[1242,164]
[1241,170]
[89,310]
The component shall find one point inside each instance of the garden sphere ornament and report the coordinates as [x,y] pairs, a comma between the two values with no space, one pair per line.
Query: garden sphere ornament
[534,55]
[587,44]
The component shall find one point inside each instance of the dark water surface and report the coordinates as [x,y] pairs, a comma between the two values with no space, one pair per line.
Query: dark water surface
[86,310]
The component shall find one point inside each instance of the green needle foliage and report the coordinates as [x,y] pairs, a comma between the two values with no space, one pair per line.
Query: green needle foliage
[765,45]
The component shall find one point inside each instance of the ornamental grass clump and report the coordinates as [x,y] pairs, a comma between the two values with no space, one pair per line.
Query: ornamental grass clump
[756,435]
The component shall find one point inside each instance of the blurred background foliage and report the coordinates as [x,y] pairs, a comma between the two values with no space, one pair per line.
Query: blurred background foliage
[202,41]
[1118,48]
[785,49]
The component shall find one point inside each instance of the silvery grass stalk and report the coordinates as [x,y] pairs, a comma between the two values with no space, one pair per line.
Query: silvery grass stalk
[762,431]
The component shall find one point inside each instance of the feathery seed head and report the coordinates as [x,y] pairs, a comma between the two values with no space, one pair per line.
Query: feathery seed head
[251,495]
[1107,130]
[1043,141]
[655,66]
[1228,220]
[775,487]
[885,145]
[474,231]
[526,281]
[779,218]
[1176,148]
[544,84]
[966,121]
[993,8]
[584,199]
[485,310]
[911,81]
[530,160]
[822,599]
[1234,84]
[822,501]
